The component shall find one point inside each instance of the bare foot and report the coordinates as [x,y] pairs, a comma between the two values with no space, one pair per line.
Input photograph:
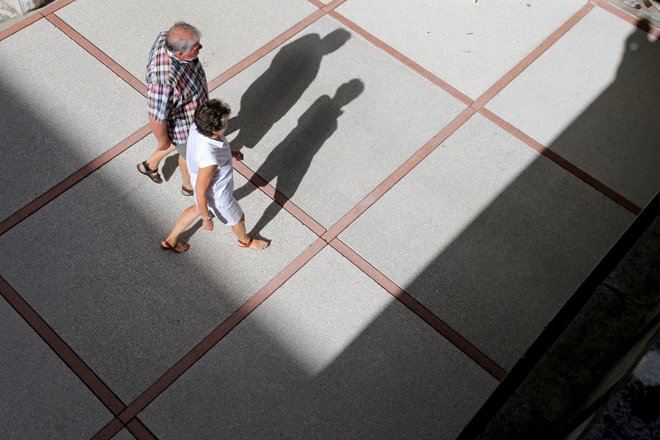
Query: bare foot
[252,243]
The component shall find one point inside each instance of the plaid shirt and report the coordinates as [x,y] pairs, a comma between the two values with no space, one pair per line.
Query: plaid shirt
[175,88]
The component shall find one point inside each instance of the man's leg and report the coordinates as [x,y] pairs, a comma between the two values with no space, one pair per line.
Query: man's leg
[154,159]
[185,175]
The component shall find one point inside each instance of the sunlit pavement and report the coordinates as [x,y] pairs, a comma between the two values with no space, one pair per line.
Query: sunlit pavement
[437,179]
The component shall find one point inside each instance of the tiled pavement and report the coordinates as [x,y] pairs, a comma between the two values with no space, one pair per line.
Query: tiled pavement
[441,178]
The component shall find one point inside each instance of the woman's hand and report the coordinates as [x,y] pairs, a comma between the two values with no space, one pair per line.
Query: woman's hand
[207,224]
[236,154]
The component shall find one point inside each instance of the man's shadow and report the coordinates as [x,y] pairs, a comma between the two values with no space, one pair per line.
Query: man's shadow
[276,91]
[291,158]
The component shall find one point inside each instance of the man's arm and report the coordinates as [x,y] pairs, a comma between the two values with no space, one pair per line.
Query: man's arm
[159,129]
[159,97]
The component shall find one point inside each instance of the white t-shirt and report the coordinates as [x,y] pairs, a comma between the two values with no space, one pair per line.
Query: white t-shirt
[202,152]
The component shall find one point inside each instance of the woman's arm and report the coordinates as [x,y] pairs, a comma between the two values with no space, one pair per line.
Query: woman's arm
[204,177]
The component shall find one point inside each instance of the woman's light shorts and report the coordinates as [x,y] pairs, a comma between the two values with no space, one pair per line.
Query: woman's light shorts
[229,213]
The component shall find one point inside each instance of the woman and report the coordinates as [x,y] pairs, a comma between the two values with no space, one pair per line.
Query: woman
[211,174]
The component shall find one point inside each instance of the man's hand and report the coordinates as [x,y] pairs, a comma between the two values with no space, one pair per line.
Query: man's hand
[236,155]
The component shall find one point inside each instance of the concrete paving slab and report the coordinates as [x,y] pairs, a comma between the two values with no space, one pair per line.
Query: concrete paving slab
[42,398]
[124,434]
[231,30]
[90,264]
[61,108]
[592,98]
[469,45]
[332,133]
[329,355]
[490,236]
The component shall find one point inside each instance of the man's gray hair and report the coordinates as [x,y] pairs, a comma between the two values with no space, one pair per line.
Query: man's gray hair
[175,40]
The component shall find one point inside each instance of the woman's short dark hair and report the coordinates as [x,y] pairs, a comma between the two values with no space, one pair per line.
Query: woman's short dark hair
[212,116]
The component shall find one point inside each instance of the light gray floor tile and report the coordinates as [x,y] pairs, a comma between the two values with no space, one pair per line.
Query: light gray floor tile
[90,263]
[470,45]
[60,109]
[593,98]
[124,434]
[328,135]
[329,355]
[490,236]
[42,398]
[231,30]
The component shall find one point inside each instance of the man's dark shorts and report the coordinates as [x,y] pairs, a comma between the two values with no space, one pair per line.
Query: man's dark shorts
[181,149]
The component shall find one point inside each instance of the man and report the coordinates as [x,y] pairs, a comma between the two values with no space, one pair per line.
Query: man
[176,86]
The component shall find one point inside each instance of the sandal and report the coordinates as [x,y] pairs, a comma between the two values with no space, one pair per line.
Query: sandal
[248,244]
[187,191]
[164,245]
[148,171]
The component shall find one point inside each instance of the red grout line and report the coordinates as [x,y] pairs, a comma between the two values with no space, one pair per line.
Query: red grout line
[280,198]
[529,59]
[559,160]
[70,181]
[38,15]
[402,58]
[639,23]
[162,383]
[98,54]
[264,50]
[61,348]
[139,431]
[398,174]
[317,3]
[20,26]
[109,430]
[333,5]
[416,307]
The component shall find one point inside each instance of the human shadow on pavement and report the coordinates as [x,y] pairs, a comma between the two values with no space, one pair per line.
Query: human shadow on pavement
[277,90]
[170,164]
[291,158]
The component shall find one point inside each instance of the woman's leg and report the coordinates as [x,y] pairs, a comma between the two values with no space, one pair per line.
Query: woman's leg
[245,240]
[185,219]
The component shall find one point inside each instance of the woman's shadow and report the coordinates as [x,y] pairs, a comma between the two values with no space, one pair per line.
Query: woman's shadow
[276,91]
[291,158]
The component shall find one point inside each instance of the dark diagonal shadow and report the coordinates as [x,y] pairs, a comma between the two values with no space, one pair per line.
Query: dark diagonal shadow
[276,91]
[291,158]
[591,139]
